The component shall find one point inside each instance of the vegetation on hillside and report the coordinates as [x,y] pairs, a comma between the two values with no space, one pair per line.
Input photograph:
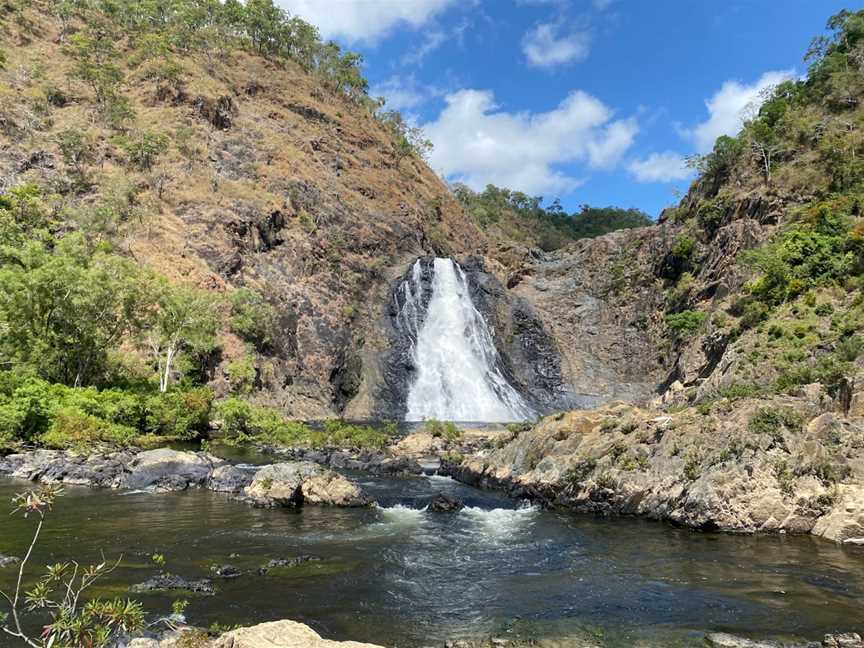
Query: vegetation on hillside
[800,315]
[95,347]
[519,217]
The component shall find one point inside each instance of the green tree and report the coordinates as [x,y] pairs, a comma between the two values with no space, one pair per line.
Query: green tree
[143,149]
[63,309]
[181,318]
[253,318]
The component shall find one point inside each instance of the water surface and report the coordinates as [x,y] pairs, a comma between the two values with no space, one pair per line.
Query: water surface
[401,576]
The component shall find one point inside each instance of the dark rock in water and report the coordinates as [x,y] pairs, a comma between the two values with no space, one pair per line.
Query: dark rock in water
[164,581]
[230,479]
[166,469]
[286,562]
[6,561]
[444,504]
[226,571]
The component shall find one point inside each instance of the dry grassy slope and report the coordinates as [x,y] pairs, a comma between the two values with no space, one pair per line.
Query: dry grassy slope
[300,197]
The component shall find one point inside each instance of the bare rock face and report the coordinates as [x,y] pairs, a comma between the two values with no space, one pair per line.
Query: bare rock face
[281,634]
[296,483]
[744,466]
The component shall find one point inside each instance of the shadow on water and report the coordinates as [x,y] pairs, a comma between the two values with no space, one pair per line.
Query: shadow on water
[401,576]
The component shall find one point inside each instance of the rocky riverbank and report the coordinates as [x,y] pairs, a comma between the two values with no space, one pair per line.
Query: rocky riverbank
[291,634]
[747,465]
[280,484]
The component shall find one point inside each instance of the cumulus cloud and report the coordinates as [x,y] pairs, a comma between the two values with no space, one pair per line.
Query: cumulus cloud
[728,106]
[660,167]
[546,46]
[364,20]
[477,143]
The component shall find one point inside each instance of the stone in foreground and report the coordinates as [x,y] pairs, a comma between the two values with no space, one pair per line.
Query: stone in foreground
[281,634]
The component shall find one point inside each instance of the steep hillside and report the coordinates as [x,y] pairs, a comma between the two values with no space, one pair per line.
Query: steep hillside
[223,166]
[736,321]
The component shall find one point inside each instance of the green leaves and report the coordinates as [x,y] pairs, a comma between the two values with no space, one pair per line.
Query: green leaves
[64,308]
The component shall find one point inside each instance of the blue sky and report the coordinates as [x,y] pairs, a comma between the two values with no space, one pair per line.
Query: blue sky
[591,101]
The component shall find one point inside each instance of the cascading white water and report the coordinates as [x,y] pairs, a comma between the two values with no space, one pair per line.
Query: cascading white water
[458,377]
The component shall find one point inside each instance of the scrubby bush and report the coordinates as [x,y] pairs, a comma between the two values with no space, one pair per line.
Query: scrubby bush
[773,422]
[182,414]
[252,318]
[33,410]
[72,428]
[444,429]
[685,323]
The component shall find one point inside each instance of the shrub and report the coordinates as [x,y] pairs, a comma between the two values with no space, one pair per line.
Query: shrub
[685,323]
[179,414]
[143,149]
[444,429]
[242,374]
[773,421]
[72,428]
[252,318]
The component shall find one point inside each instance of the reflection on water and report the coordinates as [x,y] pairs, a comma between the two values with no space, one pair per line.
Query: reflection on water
[401,576]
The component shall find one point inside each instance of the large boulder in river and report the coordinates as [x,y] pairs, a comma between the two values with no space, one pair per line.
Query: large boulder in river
[296,483]
[166,469]
[230,479]
[281,634]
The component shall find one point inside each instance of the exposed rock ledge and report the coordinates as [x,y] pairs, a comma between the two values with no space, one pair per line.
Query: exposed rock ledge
[291,634]
[281,484]
[275,634]
[777,465]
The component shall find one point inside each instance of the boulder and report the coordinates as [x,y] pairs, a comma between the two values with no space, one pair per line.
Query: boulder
[226,571]
[281,634]
[286,562]
[7,561]
[848,640]
[164,581]
[723,640]
[845,521]
[444,504]
[166,469]
[230,479]
[296,483]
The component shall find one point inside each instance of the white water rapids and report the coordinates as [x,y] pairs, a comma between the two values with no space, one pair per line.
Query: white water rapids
[458,374]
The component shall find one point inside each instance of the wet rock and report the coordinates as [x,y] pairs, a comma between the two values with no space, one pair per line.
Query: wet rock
[166,469]
[297,483]
[286,562]
[230,479]
[442,503]
[165,581]
[723,640]
[849,640]
[226,571]
[281,634]
[7,561]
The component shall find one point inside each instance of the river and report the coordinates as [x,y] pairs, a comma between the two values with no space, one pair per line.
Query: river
[400,576]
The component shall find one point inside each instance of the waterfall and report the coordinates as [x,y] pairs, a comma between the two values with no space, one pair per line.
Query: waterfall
[458,369]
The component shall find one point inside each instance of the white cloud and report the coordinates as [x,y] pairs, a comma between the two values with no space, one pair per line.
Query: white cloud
[364,20]
[403,93]
[432,41]
[602,5]
[660,167]
[728,106]
[476,143]
[544,46]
